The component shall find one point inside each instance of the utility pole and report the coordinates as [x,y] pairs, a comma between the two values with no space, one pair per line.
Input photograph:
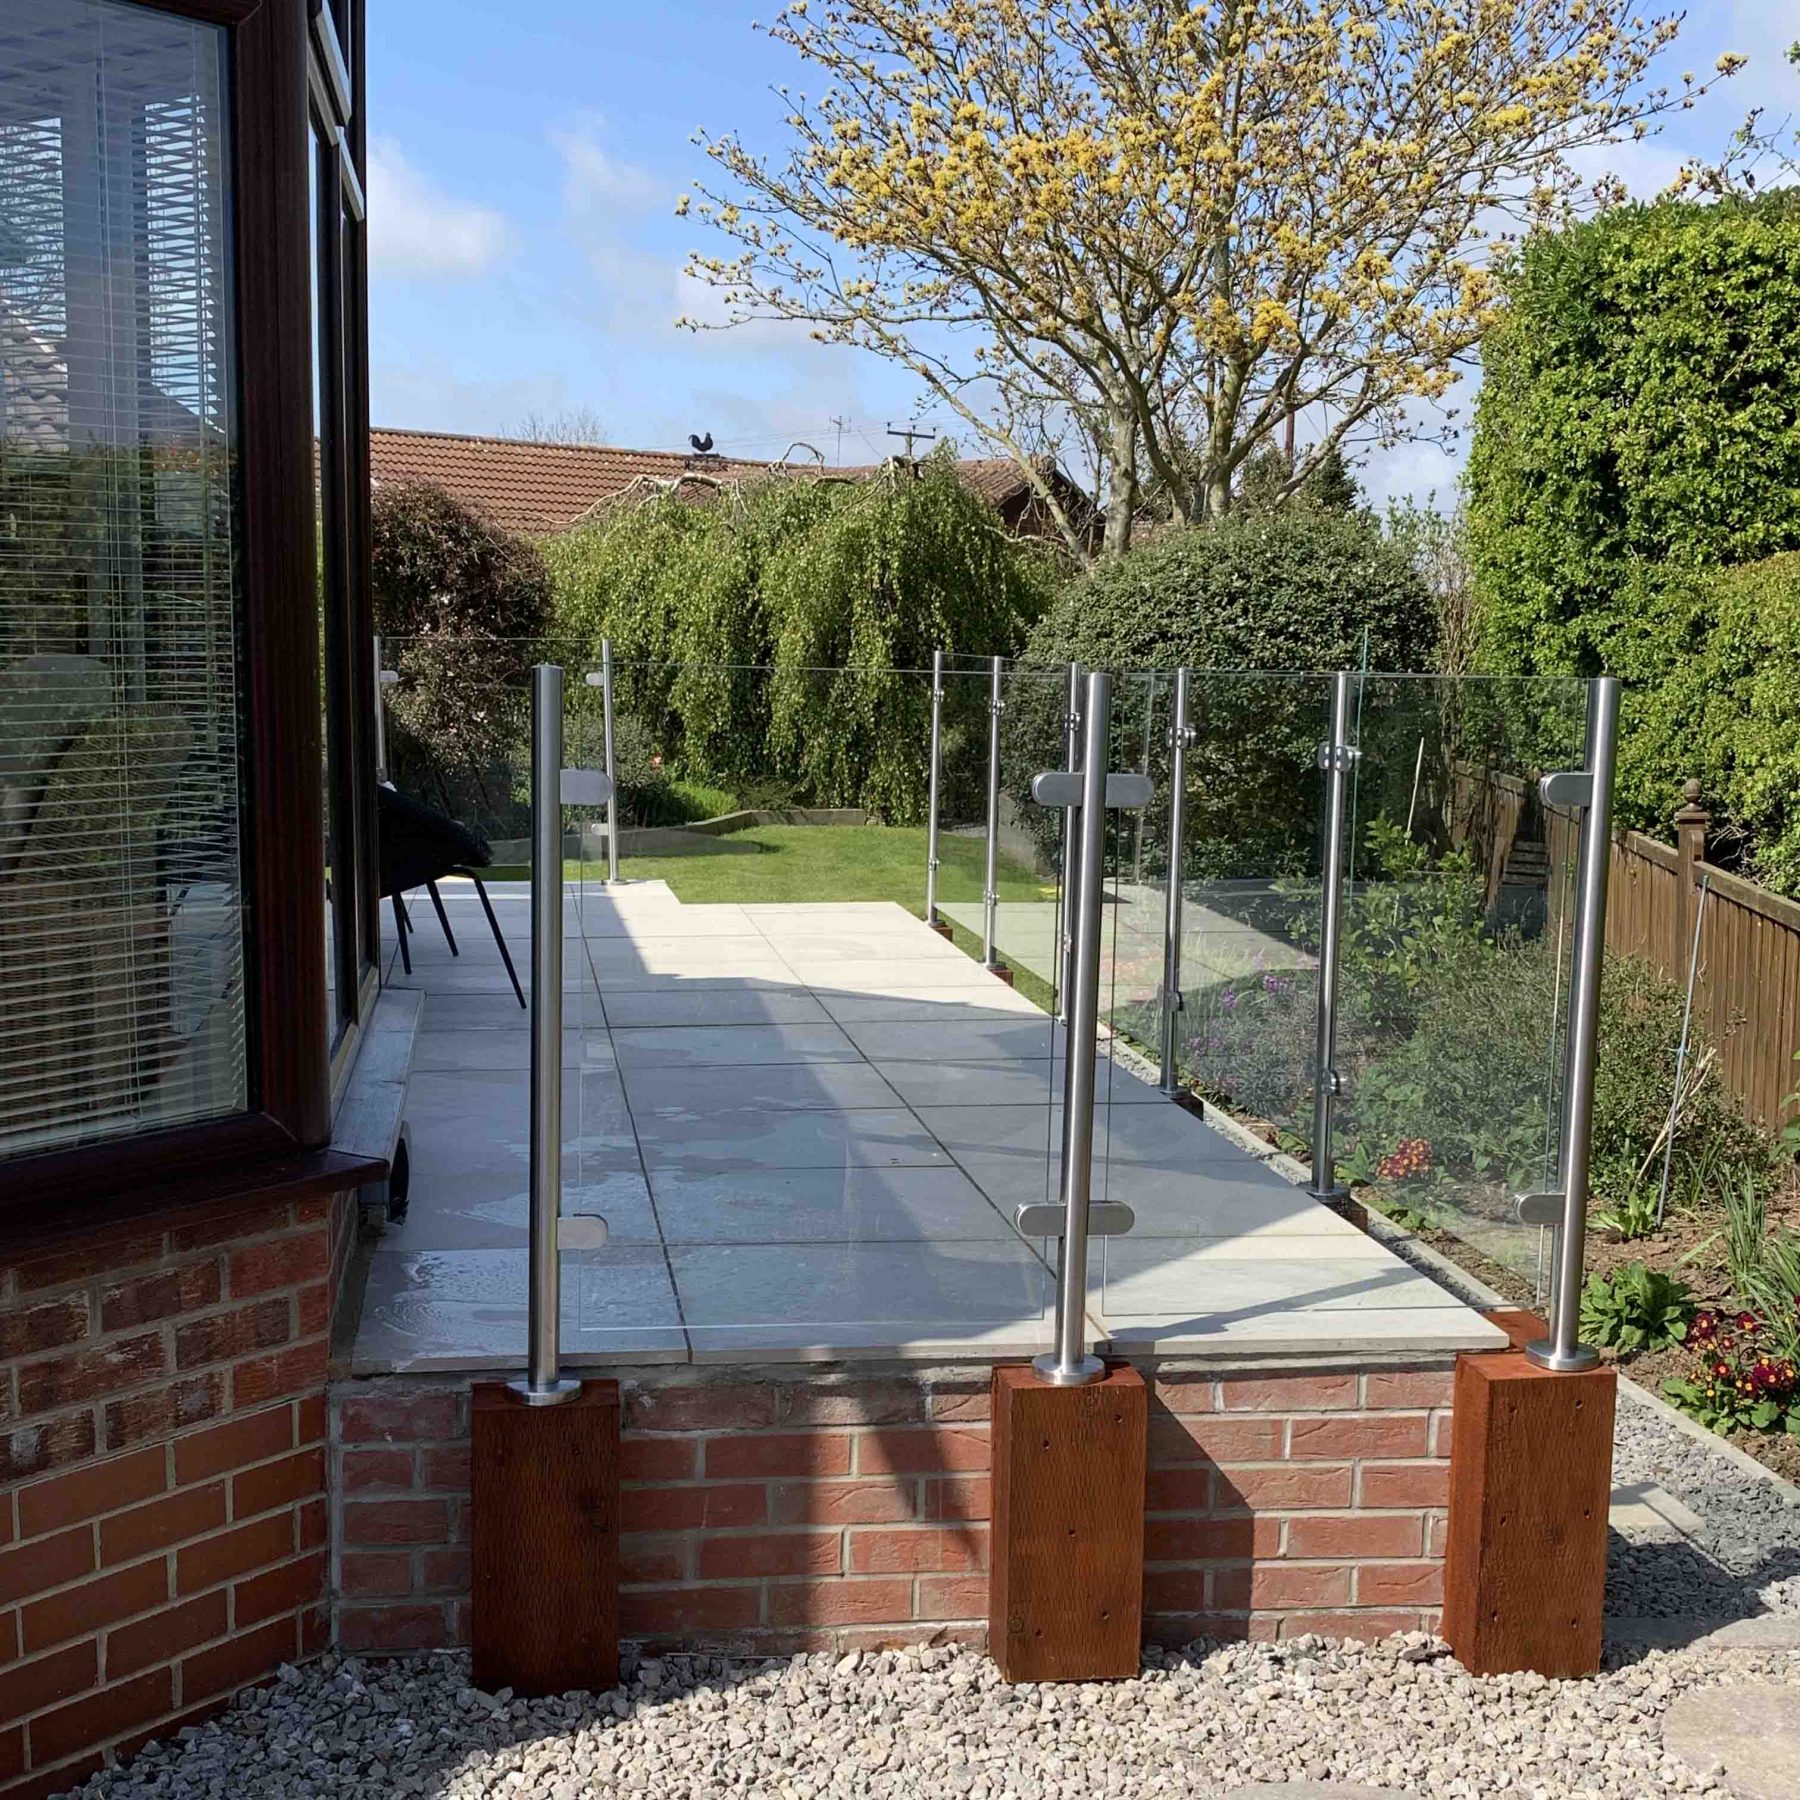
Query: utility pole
[909,432]
[840,424]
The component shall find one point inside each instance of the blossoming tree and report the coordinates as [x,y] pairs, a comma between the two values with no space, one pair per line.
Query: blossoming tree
[1170,229]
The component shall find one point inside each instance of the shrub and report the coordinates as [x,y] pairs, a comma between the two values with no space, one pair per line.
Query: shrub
[1280,594]
[1728,713]
[461,605]
[1640,410]
[773,638]
[1635,1308]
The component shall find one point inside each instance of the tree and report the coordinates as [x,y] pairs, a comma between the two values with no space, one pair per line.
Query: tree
[1172,223]
[572,425]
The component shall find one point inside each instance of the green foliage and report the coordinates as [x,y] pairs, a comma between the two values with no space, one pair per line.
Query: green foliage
[1631,1217]
[774,636]
[461,606]
[1727,712]
[1640,412]
[1635,1308]
[1291,592]
[1328,487]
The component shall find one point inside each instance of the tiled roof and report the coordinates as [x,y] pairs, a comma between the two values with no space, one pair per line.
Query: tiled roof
[534,487]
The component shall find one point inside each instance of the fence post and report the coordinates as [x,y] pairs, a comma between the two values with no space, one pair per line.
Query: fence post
[1691,823]
[1065,945]
[606,726]
[1562,1350]
[937,757]
[1335,758]
[543,1384]
[1180,737]
[990,891]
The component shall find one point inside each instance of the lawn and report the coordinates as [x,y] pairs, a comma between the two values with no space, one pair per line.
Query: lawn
[829,862]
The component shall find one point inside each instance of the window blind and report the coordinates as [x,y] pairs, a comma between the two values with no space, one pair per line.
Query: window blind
[121,933]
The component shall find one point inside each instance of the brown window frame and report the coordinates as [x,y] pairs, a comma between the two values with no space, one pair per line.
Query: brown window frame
[287,1049]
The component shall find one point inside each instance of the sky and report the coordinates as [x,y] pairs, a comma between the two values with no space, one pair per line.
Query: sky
[524,165]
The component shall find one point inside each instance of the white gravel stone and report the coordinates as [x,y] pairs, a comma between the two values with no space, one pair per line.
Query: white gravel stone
[932,1722]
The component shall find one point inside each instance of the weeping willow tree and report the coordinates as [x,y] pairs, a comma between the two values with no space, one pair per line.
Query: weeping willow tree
[776,636]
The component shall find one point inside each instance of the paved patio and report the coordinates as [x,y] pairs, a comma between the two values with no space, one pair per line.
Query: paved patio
[808,1127]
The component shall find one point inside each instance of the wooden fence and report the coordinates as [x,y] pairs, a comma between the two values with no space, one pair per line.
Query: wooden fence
[1747,991]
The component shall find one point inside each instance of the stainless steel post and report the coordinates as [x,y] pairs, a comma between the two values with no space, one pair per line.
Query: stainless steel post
[1335,758]
[937,757]
[1180,737]
[606,726]
[544,1385]
[1563,1350]
[381,768]
[990,887]
[1070,1365]
[1065,962]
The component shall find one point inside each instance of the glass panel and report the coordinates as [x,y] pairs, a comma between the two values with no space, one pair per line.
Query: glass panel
[1455,965]
[121,953]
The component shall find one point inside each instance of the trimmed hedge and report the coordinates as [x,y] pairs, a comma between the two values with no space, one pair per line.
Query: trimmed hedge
[1728,713]
[1639,417]
[1270,603]
[1293,590]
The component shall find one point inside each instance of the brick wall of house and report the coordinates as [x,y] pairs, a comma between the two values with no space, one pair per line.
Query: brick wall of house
[773,1510]
[162,1474]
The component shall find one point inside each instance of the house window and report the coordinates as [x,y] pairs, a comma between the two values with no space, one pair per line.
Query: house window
[122,953]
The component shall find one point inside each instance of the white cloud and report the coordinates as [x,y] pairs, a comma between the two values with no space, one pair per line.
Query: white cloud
[597,185]
[415,229]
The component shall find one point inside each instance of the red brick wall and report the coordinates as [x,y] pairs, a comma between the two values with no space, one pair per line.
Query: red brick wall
[162,1475]
[768,1511]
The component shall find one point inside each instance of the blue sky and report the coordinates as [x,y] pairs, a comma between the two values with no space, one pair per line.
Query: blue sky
[524,166]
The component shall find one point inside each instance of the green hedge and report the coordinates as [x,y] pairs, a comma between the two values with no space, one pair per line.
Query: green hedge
[1262,605]
[1639,416]
[1728,714]
[772,638]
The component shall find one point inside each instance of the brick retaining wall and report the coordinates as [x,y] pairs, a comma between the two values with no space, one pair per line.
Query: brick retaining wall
[778,1509]
[162,1475]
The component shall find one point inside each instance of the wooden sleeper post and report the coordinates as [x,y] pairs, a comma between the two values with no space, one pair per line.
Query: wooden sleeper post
[1066,1585]
[545,1503]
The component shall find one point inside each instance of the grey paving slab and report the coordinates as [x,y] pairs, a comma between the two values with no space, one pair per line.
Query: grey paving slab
[1003,1082]
[1748,1732]
[694,1092]
[1171,1294]
[475,1209]
[907,978]
[823,949]
[700,1046]
[711,1006]
[728,1141]
[494,1048]
[678,954]
[990,1001]
[894,1298]
[1001,1038]
[839,1205]
[466,1309]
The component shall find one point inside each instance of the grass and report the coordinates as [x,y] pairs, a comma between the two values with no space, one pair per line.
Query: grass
[831,862]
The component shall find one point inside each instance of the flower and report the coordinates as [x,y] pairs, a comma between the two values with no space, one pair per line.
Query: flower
[1410,1157]
[1703,1328]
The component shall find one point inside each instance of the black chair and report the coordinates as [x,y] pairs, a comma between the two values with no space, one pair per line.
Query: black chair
[419,847]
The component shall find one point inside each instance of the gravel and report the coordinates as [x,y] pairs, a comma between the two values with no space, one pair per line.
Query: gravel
[1745,1559]
[939,1723]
